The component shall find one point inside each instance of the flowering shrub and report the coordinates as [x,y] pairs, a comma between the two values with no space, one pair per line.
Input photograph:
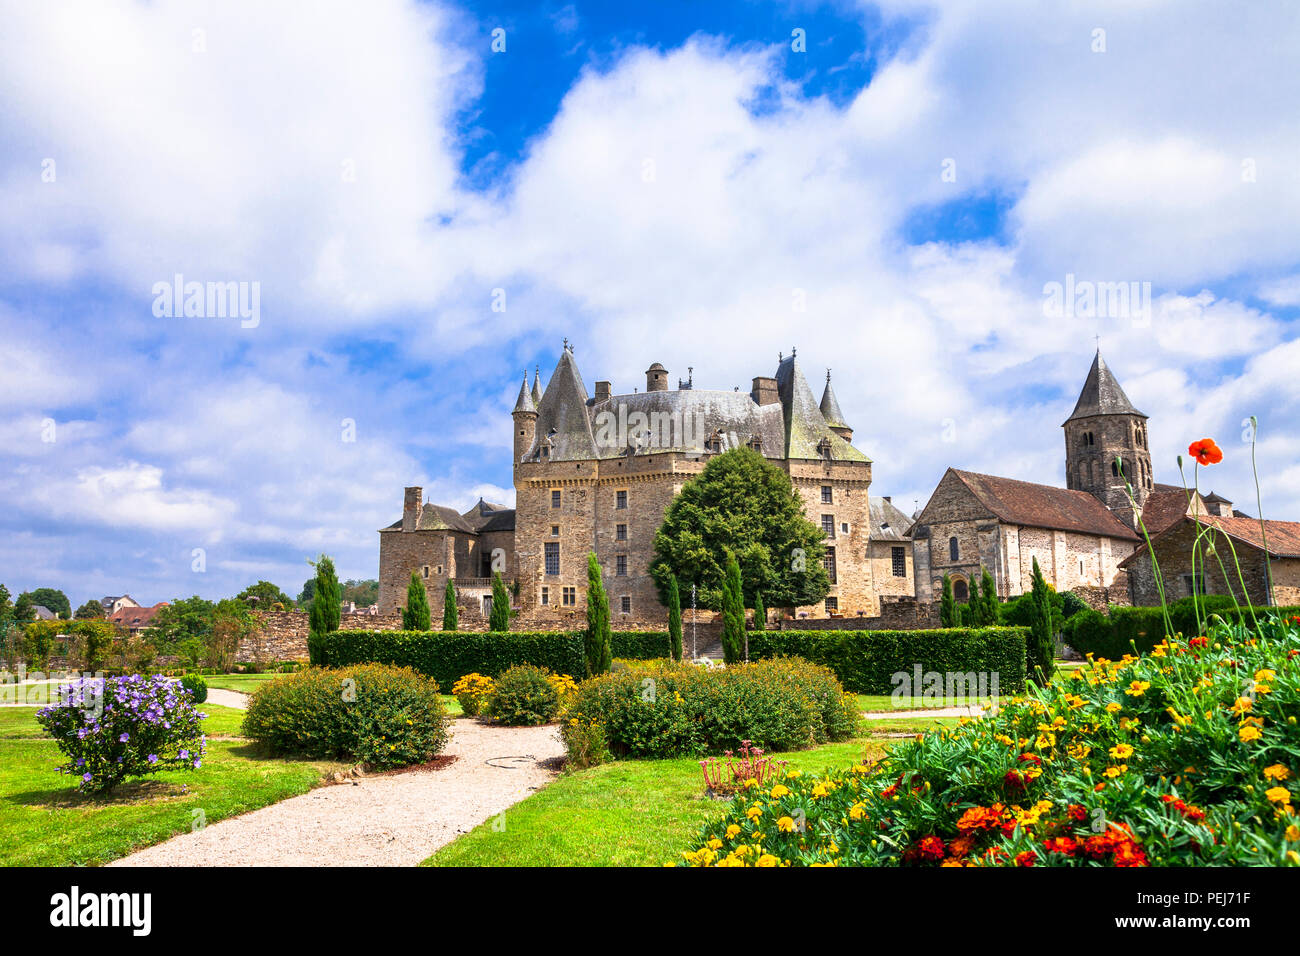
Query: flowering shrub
[118,727]
[1188,756]
[525,696]
[375,714]
[750,767]
[473,691]
[679,709]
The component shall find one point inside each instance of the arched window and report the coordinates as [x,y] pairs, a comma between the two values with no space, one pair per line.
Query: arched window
[1114,467]
[953,553]
[959,590]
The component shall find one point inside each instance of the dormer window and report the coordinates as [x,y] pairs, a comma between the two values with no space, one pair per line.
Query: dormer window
[713,443]
[756,443]
[824,448]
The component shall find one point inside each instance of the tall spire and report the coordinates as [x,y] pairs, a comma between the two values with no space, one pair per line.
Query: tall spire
[537,384]
[1102,394]
[524,403]
[831,407]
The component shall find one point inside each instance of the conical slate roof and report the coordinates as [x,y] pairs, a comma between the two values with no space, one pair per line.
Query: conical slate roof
[830,407]
[537,385]
[524,403]
[1102,394]
[562,422]
[805,428]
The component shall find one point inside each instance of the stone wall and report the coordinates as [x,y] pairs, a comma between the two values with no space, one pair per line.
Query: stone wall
[899,614]
[1101,598]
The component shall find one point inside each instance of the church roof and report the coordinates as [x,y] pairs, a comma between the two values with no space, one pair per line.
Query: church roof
[887,522]
[1032,505]
[830,407]
[1283,537]
[1164,506]
[1102,394]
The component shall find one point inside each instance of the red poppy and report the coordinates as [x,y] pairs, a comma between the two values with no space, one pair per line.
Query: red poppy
[1205,451]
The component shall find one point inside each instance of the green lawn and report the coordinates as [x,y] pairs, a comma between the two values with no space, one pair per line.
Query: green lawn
[18,723]
[631,812]
[881,703]
[244,683]
[45,822]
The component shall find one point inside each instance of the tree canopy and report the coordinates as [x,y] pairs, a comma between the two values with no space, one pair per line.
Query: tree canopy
[54,599]
[266,593]
[744,504]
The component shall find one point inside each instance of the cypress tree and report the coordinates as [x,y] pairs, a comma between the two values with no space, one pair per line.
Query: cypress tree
[760,612]
[674,618]
[415,616]
[450,615]
[499,619]
[733,612]
[947,606]
[988,601]
[325,609]
[597,640]
[1042,647]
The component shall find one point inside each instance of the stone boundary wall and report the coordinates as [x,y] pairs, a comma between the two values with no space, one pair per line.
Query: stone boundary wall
[1099,598]
[903,614]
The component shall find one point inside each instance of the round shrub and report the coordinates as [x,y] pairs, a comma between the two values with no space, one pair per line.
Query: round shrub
[197,687]
[473,691]
[525,696]
[682,709]
[375,714]
[119,727]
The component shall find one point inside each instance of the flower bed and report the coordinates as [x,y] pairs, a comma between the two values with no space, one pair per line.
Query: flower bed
[1185,757]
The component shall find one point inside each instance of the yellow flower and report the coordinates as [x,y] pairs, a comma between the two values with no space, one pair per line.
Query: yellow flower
[1277,772]
[1120,751]
[1262,676]
[857,811]
[1137,688]
[1278,795]
[1293,833]
[714,844]
[1241,705]
[768,860]
[733,831]
[785,825]
[1116,771]
[779,791]
[1248,733]
[754,812]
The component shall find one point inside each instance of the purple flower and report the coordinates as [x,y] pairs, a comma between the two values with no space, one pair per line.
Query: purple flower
[87,777]
[124,738]
[152,758]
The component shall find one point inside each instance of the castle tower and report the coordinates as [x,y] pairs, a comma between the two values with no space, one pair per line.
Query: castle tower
[830,409]
[525,416]
[1104,427]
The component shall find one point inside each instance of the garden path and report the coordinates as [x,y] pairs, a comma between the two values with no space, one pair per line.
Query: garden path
[395,819]
[227,698]
[936,712]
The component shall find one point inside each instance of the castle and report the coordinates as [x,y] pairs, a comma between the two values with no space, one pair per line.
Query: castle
[597,473]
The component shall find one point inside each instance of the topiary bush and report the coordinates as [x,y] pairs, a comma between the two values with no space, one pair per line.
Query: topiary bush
[673,709]
[197,687]
[524,696]
[375,714]
[119,727]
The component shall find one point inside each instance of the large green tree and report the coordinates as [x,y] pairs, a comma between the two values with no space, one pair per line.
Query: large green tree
[597,636]
[415,616]
[499,618]
[266,593]
[734,639]
[325,602]
[54,599]
[743,504]
[92,610]
[362,593]
[200,630]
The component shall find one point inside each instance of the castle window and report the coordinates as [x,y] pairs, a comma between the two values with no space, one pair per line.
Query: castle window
[954,554]
[756,443]
[960,592]
[555,531]
[828,562]
[620,532]
[620,500]
[426,570]
[828,525]
[626,604]
[552,557]
[546,596]
[826,494]
[569,597]
[899,558]
[620,566]
[832,605]
[1114,468]
[714,442]
[844,527]
[555,498]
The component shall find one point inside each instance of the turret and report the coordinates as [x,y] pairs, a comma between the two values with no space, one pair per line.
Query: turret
[830,409]
[525,416]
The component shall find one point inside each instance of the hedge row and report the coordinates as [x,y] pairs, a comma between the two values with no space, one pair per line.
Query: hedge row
[640,645]
[447,656]
[1113,636]
[866,661]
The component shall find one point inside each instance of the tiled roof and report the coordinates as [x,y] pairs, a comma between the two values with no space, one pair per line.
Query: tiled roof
[1283,536]
[1164,506]
[887,522]
[1102,394]
[484,516]
[1043,506]
[136,616]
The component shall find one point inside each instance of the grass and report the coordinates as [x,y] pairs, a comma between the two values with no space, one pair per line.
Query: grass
[244,683]
[18,723]
[46,822]
[632,812]
[883,703]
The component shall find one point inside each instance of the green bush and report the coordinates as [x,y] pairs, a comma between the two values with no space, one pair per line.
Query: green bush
[865,661]
[447,656]
[524,697]
[1145,627]
[197,686]
[378,715]
[640,645]
[674,709]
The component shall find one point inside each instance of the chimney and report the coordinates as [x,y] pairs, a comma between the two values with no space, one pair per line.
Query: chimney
[889,498]
[764,390]
[603,390]
[411,507]
[656,378]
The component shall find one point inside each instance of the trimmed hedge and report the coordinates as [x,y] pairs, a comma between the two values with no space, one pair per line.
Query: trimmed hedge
[1110,636]
[865,661]
[640,645]
[447,656]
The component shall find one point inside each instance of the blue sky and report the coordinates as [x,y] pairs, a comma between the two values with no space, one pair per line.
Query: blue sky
[657,182]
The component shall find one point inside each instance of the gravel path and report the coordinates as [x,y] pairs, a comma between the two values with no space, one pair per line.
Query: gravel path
[394,820]
[936,712]
[226,698]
